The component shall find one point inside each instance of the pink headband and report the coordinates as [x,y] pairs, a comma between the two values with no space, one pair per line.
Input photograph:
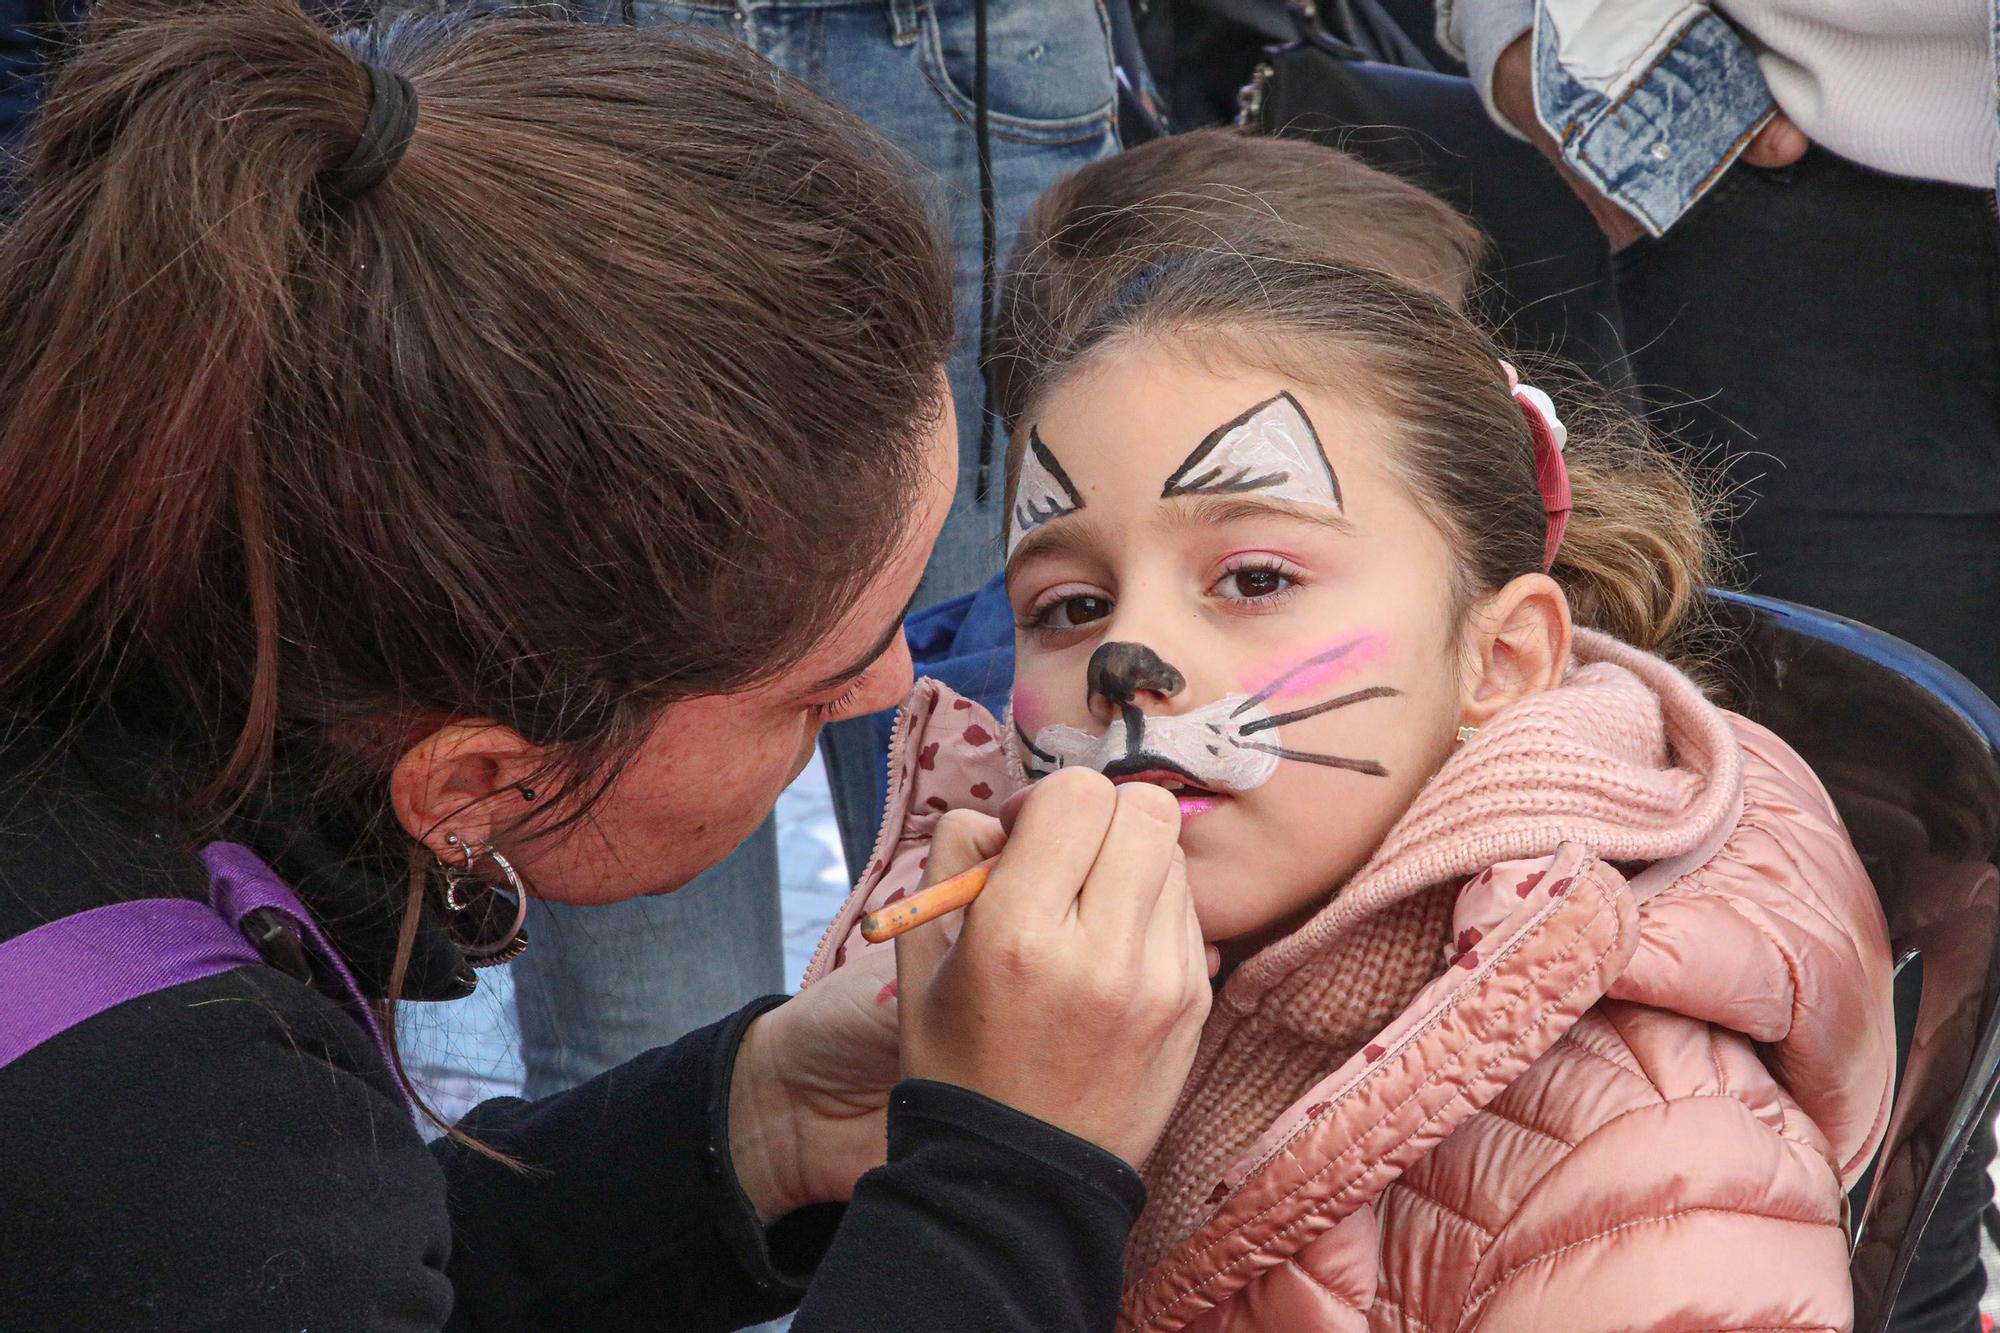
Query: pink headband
[1550,436]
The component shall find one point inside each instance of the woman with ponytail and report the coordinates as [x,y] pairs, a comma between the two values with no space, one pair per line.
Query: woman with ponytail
[469,461]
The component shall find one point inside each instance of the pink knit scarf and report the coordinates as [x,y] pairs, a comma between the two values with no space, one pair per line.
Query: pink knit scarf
[1625,757]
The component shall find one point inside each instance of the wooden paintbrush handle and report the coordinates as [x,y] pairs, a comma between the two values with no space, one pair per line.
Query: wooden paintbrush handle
[947,895]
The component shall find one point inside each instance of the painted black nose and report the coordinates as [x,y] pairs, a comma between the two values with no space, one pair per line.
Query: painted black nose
[1118,671]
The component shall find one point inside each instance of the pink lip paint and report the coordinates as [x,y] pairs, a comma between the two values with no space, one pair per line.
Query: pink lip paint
[1197,805]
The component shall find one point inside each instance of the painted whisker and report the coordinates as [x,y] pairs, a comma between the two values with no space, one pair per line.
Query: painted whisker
[1031,748]
[1314,710]
[1367,767]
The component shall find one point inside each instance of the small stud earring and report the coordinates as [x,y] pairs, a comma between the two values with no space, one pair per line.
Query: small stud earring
[1466,733]
[527,793]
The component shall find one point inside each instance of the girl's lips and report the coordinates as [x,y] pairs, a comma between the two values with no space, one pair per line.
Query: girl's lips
[1193,798]
[1194,803]
[1172,779]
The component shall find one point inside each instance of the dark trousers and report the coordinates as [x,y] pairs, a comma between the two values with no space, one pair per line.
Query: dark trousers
[1837,332]
[1833,334]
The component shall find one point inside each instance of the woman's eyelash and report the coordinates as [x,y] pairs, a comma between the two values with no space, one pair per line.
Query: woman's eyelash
[847,697]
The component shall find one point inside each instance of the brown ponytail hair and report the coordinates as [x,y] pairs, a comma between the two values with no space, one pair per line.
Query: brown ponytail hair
[1640,544]
[612,393]
[608,395]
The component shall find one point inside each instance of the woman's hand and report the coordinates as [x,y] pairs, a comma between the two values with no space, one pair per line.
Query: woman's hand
[1074,991]
[811,1089]
[1078,983]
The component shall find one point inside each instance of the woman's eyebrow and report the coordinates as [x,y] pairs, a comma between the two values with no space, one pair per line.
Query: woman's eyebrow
[1197,510]
[840,678]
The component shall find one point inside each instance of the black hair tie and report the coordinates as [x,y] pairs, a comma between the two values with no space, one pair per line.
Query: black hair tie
[392,119]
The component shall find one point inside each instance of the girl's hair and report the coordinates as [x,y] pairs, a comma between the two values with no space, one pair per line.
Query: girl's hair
[1640,545]
[612,393]
[1206,188]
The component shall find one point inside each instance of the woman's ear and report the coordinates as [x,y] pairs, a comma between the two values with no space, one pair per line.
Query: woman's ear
[447,782]
[1517,644]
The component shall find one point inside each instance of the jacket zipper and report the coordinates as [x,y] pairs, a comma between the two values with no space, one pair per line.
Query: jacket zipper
[899,739]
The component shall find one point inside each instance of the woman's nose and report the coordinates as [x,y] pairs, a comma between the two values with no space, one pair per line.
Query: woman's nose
[1119,673]
[892,677]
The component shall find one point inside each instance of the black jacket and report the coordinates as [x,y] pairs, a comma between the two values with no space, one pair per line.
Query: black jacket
[233,1153]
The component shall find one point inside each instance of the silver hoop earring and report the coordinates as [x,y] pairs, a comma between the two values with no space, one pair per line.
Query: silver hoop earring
[486,921]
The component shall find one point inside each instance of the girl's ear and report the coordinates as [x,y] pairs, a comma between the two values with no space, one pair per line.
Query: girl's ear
[1517,644]
[448,781]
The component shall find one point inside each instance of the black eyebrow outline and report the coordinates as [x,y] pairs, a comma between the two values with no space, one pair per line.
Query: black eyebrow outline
[881,645]
[1179,483]
[1047,458]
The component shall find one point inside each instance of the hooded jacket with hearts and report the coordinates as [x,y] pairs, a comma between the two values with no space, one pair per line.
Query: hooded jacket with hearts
[1597,1039]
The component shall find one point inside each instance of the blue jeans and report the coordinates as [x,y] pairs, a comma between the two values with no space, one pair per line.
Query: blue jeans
[600,985]
[1051,107]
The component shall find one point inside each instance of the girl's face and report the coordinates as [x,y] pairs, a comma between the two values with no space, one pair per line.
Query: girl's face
[1219,581]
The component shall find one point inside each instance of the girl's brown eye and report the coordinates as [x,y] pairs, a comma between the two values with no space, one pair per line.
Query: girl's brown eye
[1083,610]
[1071,612]
[1259,582]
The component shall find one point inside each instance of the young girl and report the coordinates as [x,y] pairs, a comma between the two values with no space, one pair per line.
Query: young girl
[1554,997]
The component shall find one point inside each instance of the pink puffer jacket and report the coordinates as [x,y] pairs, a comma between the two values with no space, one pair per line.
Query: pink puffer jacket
[1597,1040]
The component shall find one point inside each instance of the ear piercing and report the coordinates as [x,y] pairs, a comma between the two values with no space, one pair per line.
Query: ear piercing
[1466,733]
[485,921]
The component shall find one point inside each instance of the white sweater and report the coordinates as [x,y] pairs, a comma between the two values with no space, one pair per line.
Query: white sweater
[1904,86]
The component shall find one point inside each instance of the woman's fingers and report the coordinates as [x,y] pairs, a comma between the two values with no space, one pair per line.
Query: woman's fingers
[1077,988]
[963,839]
[1176,957]
[1053,842]
[1010,809]
[1123,888]
[919,953]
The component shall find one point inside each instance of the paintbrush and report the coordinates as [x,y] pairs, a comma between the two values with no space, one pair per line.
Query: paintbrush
[926,905]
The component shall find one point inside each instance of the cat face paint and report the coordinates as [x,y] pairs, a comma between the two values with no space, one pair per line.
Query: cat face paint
[1203,748]
[1269,450]
[1231,744]
[1043,492]
[1284,604]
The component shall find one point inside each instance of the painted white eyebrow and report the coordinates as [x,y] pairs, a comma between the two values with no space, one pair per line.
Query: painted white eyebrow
[1270,446]
[1043,492]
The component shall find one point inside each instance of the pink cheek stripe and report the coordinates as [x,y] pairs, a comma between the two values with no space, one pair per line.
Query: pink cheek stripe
[1295,676]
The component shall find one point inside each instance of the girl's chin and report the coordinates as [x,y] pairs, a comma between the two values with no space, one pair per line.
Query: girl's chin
[1224,920]
[1234,900]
